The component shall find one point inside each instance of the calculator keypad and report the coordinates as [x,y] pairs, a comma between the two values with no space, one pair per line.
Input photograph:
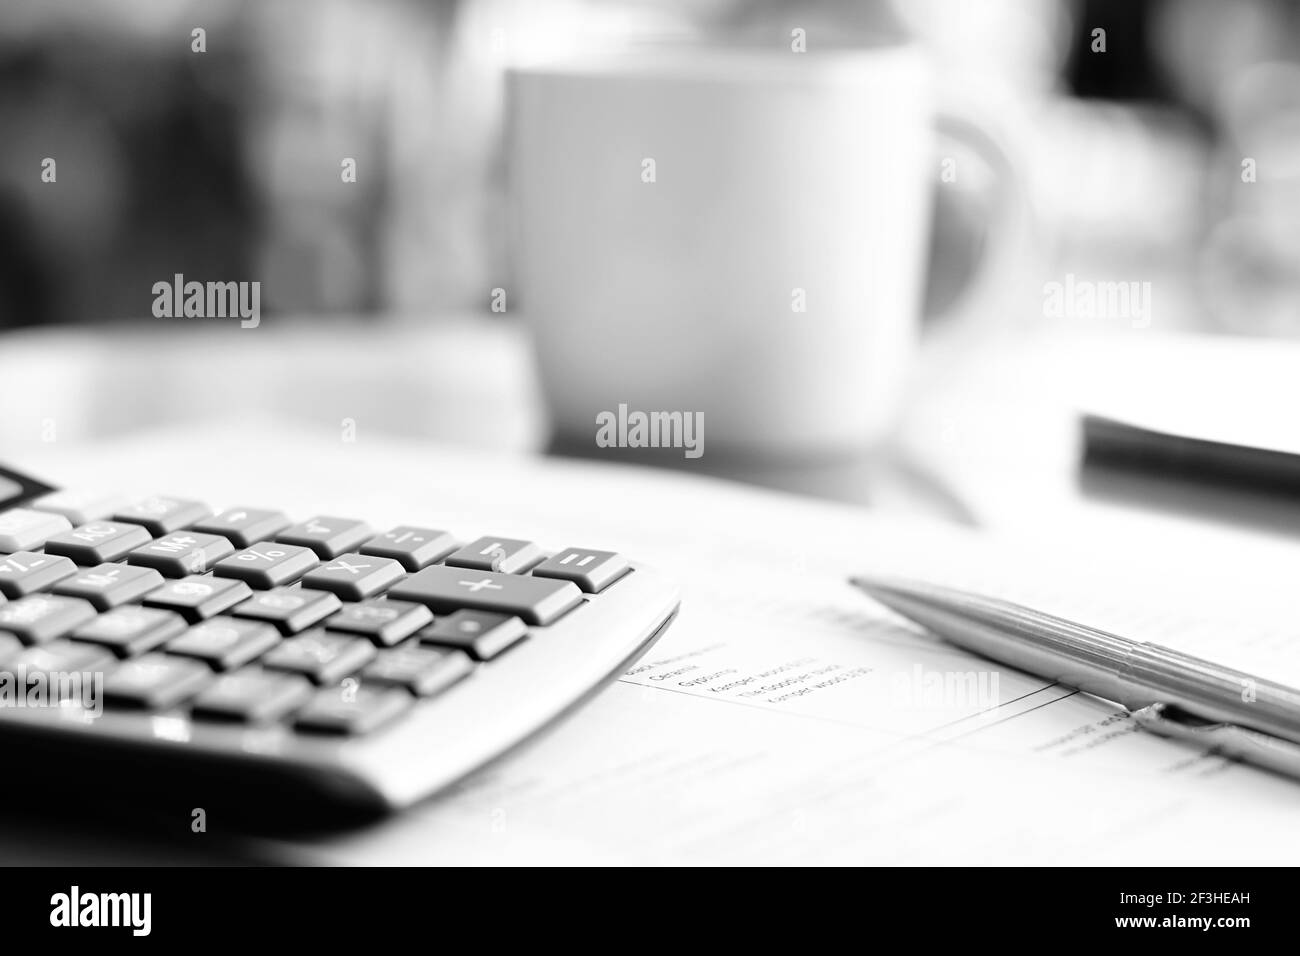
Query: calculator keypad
[240,615]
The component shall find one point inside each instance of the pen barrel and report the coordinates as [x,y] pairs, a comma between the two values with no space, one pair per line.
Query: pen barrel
[1131,673]
[1106,665]
[1158,674]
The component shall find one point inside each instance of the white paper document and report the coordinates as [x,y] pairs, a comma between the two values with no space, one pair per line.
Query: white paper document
[784,717]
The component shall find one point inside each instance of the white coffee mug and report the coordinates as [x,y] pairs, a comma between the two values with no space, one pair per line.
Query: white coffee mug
[731,234]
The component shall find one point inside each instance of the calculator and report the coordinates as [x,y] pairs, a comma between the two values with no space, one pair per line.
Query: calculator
[159,648]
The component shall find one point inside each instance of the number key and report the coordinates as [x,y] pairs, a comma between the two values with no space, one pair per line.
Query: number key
[252,696]
[61,657]
[156,681]
[128,631]
[225,642]
[9,646]
[325,658]
[39,618]
[422,670]
[384,622]
[198,597]
[352,710]
[289,609]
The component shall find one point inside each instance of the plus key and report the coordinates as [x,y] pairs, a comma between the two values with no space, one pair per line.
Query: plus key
[443,589]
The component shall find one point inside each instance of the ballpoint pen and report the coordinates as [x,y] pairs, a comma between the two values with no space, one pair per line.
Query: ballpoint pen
[1168,692]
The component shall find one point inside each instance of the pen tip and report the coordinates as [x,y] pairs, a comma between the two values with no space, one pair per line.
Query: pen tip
[919,602]
[883,586]
[893,593]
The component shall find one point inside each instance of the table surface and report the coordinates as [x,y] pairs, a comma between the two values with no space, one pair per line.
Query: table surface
[988,438]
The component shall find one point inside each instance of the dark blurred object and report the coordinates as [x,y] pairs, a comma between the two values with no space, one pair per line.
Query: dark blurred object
[1126,70]
[148,174]
[1113,444]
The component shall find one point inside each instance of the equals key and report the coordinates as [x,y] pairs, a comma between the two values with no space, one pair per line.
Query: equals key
[593,571]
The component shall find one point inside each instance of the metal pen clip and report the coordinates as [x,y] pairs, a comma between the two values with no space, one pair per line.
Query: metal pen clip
[1230,740]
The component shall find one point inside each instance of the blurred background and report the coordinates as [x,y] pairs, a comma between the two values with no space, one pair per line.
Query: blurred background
[1170,153]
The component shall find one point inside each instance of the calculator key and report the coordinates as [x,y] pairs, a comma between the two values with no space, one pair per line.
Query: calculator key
[593,571]
[199,597]
[443,589]
[9,647]
[424,671]
[163,515]
[25,572]
[480,634]
[413,547]
[352,710]
[268,564]
[226,643]
[182,552]
[354,577]
[323,657]
[156,681]
[289,609]
[81,507]
[327,535]
[130,631]
[108,585]
[22,529]
[383,621]
[97,541]
[39,618]
[253,696]
[243,526]
[507,555]
[61,657]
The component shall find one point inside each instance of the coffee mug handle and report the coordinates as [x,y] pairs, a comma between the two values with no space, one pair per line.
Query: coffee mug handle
[986,297]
